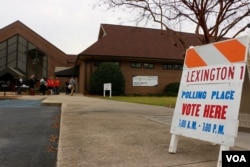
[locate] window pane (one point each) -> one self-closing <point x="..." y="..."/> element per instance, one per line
<point x="135" y="65"/>
<point x="138" y="65"/>
<point x="12" y="63"/>
<point x="3" y="45"/>
<point x="22" y="66"/>
<point x="151" y="66"/>
<point x="21" y="56"/>
<point x="145" y="65"/>
<point x="168" y="66"/>
<point x="30" y="46"/>
<point x="22" y="41"/>
<point x="12" y="57"/>
<point x="45" y="65"/>
<point x="148" y="65"/>
<point x="2" y="62"/>
<point x="12" y="40"/>
<point x="21" y="48"/>
<point x="12" y="48"/>
<point x="176" y="67"/>
<point x="2" y="53"/>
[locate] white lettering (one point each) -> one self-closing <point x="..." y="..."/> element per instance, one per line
<point x="236" y="158"/>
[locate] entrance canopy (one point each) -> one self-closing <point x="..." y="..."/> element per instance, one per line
<point x="12" y="71"/>
<point x="67" y="71"/>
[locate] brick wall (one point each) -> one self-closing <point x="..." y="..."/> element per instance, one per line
<point x="164" y="77"/>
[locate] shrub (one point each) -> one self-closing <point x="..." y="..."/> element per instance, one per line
<point x="107" y="72"/>
<point x="172" y="89"/>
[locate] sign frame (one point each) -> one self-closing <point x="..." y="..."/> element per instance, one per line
<point x="206" y="71"/>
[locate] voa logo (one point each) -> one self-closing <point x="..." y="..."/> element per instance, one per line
<point x="236" y="158"/>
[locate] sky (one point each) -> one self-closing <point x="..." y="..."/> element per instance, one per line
<point x="70" y="25"/>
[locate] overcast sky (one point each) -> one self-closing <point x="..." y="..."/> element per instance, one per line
<point x="70" y="25"/>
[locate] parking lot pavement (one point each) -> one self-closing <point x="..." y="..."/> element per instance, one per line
<point x="26" y="128"/>
<point x="98" y="132"/>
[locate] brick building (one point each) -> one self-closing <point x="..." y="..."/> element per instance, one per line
<point x="154" y="56"/>
<point x="23" y="53"/>
<point x="148" y="58"/>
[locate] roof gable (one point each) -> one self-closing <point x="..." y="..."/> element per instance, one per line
<point x="19" y="28"/>
<point x="126" y="41"/>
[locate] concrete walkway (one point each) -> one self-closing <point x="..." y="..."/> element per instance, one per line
<point x="98" y="132"/>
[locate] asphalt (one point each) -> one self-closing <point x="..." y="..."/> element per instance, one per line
<point x="98" y="132"/>
<point x="26" y="133"/>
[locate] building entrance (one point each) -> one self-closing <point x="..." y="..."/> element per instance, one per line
<point x="8" y="82"/>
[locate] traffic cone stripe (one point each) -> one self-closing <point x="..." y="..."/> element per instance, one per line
<point x="224" y="52"/>
<point x="193" y="59"/>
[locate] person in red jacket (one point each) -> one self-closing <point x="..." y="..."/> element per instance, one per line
<point x="57" y="85"/>
<point x="51" y="85"/>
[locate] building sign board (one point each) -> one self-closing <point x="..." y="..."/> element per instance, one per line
<point x="107" y="87"/>
<point x="145" y="80"/>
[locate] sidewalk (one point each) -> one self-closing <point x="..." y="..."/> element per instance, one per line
<point x="97" y="132"/>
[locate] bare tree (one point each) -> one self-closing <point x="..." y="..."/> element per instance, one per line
<point x="211" y="19"/>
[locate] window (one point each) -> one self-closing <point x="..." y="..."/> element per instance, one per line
<point x="168" y="66"/>
<point x="148" y="65"/>
<point x="177" y="67"/>
<point x="135" y="65"/>
<point x="172" y="66"/>
<point x="18" y="53"/>
<point x="97" y="63"/>
<point x="12" y="40"/>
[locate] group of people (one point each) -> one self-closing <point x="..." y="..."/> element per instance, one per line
<point x="51" y="85"/>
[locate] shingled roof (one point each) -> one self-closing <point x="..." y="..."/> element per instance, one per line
<point x="136" y="42"/>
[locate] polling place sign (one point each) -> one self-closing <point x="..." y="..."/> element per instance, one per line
<point x="210" y="92"/>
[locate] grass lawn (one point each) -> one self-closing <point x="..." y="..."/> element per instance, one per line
<point x="159" y="101"/>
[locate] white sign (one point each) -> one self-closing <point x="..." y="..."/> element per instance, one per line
<point x="208" y="103"/>
<point x="145" y="80"/>
<point x="210" y="92"/>
<point x="107" y="87"/>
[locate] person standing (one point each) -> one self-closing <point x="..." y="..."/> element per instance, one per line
<point x="43" y="86"/>
<point x="72" y="82"/>
<point x="67" y="90"/>
<point x="57" y="85"/>
<point x="19" y="84"/>
<point x="32" y="83"/>
<point x="51" y="85"/>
